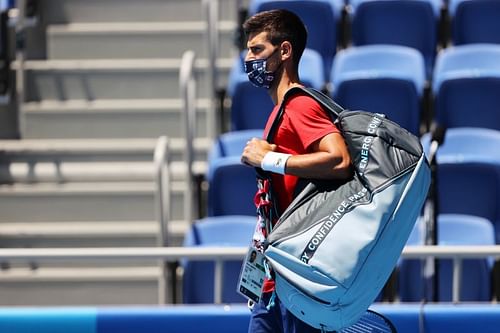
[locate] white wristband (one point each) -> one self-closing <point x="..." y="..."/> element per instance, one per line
<point x="274" y="162"/>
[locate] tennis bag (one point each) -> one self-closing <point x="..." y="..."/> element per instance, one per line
<point x="334" y="247"/>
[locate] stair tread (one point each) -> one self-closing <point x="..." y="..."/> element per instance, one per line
<point x="89" y="228"/>
<point x="21" y="274"/>
<point x="77" y="146"/>
<point x="112" y="105"/>
<point x="137" y="27"/>
<point x="152" y="64"/>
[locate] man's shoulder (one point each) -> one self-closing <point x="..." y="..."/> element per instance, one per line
<point x="302" y="99"/>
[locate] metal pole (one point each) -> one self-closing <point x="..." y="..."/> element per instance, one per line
<point x="218" y="280"/>
<point x="20" y="36"/>
<point x="188" y="95"/>
<point x="162" y="202"/>
<point x="457" y="279"/>
<point x="211" y="8"/>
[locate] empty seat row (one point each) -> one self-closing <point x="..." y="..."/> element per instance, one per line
<point x="419" y="24"/>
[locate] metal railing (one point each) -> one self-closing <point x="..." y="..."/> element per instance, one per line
<point x="211" y="10"/>
<point x="163" y="209"/>
<point x="221" y="254"/>
<point x="187" y="86"/>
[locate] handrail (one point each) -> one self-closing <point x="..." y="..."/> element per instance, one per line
<point x="220" y="254"/>
<point x="163" y="209"/>
<point x="187" y="86"/>
<point x="211" y="10"/>
<point x="162" y="177"/>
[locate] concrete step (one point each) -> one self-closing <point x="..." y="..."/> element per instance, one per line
<point x="125" y="40"/>
<point x="75" y="172"/>
<point x="96" y="150"/>
<point x="42" y="202"/>
<point x="79" y="286"/>
<point x="90" y="180"/>
<point x="114" y="79"/>
<point x="65" y="11"/>
<point x="79" y="234"/>
<point x="80" y="229"/>
<point x="88" y="234"/>
<point x="111" y="118"/>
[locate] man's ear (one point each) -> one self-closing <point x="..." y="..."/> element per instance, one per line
<point x="286" y="50"/>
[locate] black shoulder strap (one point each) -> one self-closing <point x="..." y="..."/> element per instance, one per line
<point x="326" y="102"/>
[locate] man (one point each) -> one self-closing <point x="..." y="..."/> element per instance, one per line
<point x="306" y="145"/>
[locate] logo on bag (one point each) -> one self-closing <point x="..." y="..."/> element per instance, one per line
<point x="329" y="223"/>
<point x="367" y="142"/>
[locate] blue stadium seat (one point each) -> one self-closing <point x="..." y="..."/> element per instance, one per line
<point x="476" y="273"/>
<point x="468" y="176"/>
<point x="475" y="21"/>
<point x="251" y="105"/>
<point x="232" y="143"/>
<point x="231" y="187"/>
<point x="470" y="188"/>
<point x="321" y="18"/>
<point x="387" y="79"/>
<point x="412" y="23"/>
<point x="466" y="84"/>
<point x="467" y="144"/>
<point x="198" y="277"/>
<point x="231" y="184"/>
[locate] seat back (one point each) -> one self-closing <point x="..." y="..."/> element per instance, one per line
<point x="231" y="143"/>
<point x="231" y="187"/>
<point x="466" y="84"/>
<point x="411" y="23"/>
<point x="467" y="144"/>
<point x="471" y="188"/>
<point x="198" y="277"/>
<point x="250" y="106"/>
<point x="368" y="77"/>
<point x="475" y="21"/>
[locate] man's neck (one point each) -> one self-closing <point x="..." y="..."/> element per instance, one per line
<point x="279" y="90"/>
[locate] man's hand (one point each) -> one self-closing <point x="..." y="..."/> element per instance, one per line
<point x="255" y="150"/>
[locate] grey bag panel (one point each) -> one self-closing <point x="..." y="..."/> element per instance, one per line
<point x="387" y="130"/>
<point x="379" y="149"/>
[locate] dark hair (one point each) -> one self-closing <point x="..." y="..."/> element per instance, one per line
<point x="281" y="25"/>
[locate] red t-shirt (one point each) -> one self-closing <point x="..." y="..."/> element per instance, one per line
<point x="303" y="123"/>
